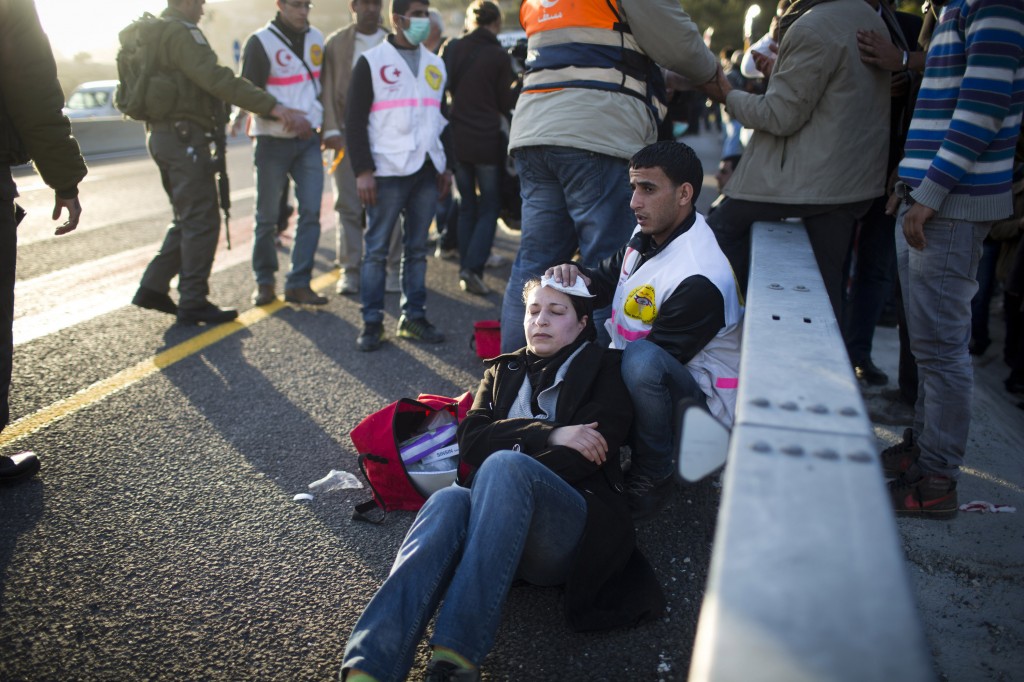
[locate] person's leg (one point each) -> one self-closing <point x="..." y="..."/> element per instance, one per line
<point x="308" y="175"/>
<point x="392" y="194"/>
<point x="384" y="639"/>
<point x="465" y="180"/>
<point x="980" y="339"/>
<point x="272" y="158"/>
<point x="194" y="199"/>
<point x="524" y="520"/>
<point x="488" y="179"/>
<point x="349" y="215"/>
<point x="830" y="233"/>
<point x="938" y="289"/>
<point x="656" y="382"/>
<point x="166" y="264"/>
<point x="597" y="196"/>
<point x="548" y="177"/>
<point x="420" y="209"/>
<point x="872" y="281"/>
<point x="8" y="260"/>
<point x="731" y="224"/>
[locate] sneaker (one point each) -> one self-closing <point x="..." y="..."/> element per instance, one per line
<point x="495" y="260"/>
<point x="370" y="338"/>
<point x="348" y="283"/>
<point x="867" y="372"/>
<point x="419" y="330"/>
<point x="207" y="313"/>
<point x="393" y="283"/>
<point x="928" y="496"/>
<point x="445" y="671"/>
<point x="304" y="296"/>
<point x="446" y="254"/>
<point x="647" y="496"/>
<point x="897" y="459"/>
<point x="472" y="283"/>
<point x="264" y="294"/>
<point x="16" y="468"/>
<point x="154" y="300"/>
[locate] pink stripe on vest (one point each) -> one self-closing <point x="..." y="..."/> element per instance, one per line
<point x="727" y="382"/>
<point x="393" y="104"/>
<point x="630" y="335"/>
<point x="292" y="80"/>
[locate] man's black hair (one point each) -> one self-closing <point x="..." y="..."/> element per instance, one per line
<point x="678" y="161"/>
<point x="402" y="6"/>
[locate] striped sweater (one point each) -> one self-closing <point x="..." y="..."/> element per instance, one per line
<point x="959" y="150"/>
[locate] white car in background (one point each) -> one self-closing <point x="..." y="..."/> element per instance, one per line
<point x="91" y="100"/>
<point x="97" y="124"/>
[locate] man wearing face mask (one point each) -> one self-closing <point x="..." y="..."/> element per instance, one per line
<point x="395" y="126"/>
<point x="284" y="58"/>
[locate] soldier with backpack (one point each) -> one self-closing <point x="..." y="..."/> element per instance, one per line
<point x="170" y="78"/>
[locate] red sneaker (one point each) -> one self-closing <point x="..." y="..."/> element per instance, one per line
<point x="929" y="496"/>
<point x="896" y="459"/>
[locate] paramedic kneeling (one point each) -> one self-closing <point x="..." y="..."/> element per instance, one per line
<point x="676" y="313"/>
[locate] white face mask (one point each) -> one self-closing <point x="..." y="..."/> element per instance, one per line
<point x="419" y="29"/>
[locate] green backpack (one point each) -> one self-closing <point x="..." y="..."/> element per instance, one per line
<point x="144" y="93"/>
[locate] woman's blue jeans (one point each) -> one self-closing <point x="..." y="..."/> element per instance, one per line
<point x="478" y="216"/>
<point x="466" y="546"/>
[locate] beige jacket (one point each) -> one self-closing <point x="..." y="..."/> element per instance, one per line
<point x="335" y="75"/>
<point x="822" y="128"/>
<point x="612" y="123"/>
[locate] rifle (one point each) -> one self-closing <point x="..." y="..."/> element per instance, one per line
<point x="220" y="164"/>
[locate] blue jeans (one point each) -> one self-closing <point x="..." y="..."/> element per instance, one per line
<point x="415" y="198"/>
<point x="466" y="546"/>
<point x="277" y="158"/>
<point x="656" y="382"/>
<point x="938" y="284"/>
<point x="478" y="217"/>
<point x="571" y="199"/>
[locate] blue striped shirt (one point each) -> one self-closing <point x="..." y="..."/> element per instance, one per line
<point x="959" y="150"/>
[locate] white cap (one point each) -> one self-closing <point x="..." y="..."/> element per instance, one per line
<point x="577" y="289"/>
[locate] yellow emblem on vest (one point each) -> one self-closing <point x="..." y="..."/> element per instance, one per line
<point x="316" y="54"/>
<point x="433" y="76"/>
<point x="640" y="304"/>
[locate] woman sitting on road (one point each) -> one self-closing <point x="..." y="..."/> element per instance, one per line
<point x="546" y="505"/>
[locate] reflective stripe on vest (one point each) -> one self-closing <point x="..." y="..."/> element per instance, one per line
<point x="577" y="44"/>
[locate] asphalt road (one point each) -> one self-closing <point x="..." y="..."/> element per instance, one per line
<point x="161" y="539"/>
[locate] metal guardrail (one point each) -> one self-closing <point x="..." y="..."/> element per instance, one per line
<point x="807" y="579"/>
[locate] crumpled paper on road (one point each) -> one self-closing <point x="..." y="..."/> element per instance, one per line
<point x="986" y="507"/>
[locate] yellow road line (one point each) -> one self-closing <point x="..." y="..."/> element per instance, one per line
<point x="106" y="387"/>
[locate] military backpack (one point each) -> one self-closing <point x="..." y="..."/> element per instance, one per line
<point x="144" y="92"/>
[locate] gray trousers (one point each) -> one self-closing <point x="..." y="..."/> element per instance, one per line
<point x="189" y="245"/>
<point x="938" y="283"/>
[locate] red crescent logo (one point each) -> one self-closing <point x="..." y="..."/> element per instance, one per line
<point x="283" y="57"/>
<point x="395" y="73"/>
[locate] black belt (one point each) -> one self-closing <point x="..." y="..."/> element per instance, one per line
<point x="903" y="191"/>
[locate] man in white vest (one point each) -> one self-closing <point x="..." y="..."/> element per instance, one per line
<point x="395" y="126"/>
<point x="284" y="58"/>
<point x="676" y="313"/>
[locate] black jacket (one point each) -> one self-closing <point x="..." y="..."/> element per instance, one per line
<point x="610" y="582"/>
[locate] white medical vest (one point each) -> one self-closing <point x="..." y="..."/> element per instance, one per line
<point x="294" y="82"/>
<point x="405" y="117"/>
<point x="642" y="290"/>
